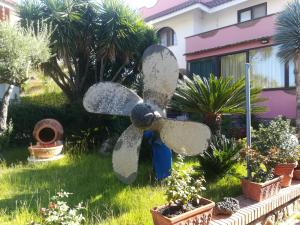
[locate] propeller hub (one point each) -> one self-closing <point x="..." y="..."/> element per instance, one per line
<point x="142" y="116"/>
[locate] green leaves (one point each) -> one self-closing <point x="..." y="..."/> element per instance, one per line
<point x="91" y="42"/>
<point x="214" y="96"/>
<point x="20" y="50"/>
<point x="260" y="169"/>
<point x="278" y="134"/>
<point x="221" y="156"/>
<point x="60" y="213"/>
<point x="182" y="187"/>
<point x="288" y="31"/>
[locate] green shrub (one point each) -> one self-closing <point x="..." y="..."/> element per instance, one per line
<point x="277" y="134"/>
<point x="220" y="157"/>
<point x="76" y="121"/>
<point x="52" y="99"/>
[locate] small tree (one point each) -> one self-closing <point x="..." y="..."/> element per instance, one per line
<point x="213" y="97"/>
<point x="288" y="38"/>
<point x="20" y="50"/>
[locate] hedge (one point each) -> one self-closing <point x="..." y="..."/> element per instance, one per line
<point x="75" y="120"/>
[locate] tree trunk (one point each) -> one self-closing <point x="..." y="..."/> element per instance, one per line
<point x="4" y="108"/>
<point x="214" y="120"/>
<point x="297" y="81"/>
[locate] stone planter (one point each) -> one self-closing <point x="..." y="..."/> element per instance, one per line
<point x="260" y="191"/>
<point x="199" y="216"/>
<point x="296" y="174"/>
<point x="42" y="152"/>
<point x="286" y="170"/>
<point x="48" y="131"/>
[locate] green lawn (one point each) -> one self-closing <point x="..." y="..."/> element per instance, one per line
<point x="24" y="189"/>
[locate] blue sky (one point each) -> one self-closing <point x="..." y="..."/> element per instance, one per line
<point x="140" y="3"/>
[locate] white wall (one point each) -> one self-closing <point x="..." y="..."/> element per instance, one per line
<point x="197" y="21"/>
<point x="183" y="26"/>
<point x="14" y="17"/>
<point x="228" y="16"/>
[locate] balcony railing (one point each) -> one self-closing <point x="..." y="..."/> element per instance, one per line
<point x="232" y="35"/>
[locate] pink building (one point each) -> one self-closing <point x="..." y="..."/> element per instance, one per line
<point x="7" y="9"/>
<point x="220" y="36"/>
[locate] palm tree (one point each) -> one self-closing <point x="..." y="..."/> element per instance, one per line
<point x="92" y="42"/>
<point x="288" y="38"/>
<point x="213" y="97"/>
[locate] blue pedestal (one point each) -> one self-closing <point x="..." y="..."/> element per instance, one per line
<point x="162" y="156"/>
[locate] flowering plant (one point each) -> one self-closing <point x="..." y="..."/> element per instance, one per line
<point x="260" y="166"/>
<point x="59" y="213"/>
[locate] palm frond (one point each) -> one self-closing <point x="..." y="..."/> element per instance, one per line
<point x="214" y="95"/>
<point x="288" y="31"/>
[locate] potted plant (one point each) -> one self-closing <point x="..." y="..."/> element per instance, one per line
<point x="261" y="182"/>
<point x="285" y="163"/>
<point x="279" y="137"/>
<point x="184" y="197"/>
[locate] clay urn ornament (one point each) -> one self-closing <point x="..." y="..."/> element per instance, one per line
<point x="48" y="131"/>
<point x="160" y="75"/>
<point x="49" y="134"/>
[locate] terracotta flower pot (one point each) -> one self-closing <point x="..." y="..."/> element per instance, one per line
<point x="48" y="131"/>
<point x="296" y="174"/>
<point x="260" y="191"/>
<point x="286" y="170"/>
<point x="42" y="152"/>
<point x="199" y="216"/>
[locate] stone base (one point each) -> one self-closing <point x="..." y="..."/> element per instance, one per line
<point x="32" y="159"/>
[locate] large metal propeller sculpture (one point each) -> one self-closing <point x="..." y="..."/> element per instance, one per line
<point x="160" y="72"/>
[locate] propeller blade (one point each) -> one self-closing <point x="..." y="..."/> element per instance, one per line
<point x="126" y="154"/>
<point x="184" y="137"/>
<point x="110" y="98"/>
<point x="160" y="70"/>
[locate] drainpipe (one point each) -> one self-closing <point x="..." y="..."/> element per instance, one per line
<point x="248" y="114"/>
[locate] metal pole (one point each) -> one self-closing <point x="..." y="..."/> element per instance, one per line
<point x="248" y="113"/>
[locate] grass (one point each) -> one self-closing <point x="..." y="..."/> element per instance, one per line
<point x="26" y="188"/>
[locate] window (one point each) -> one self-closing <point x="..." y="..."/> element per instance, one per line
<point x="205" y="67"/>
<point x="233" y="65"/>
<point x="245" y="16"/>
<point x="166" y="36"/>
<point x="291" y="76"/>
<point x="253" y="12"/>
<point x="267" y="71"/>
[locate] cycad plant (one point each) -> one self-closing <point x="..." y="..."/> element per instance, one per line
<point x="220" y="157"/>
<point x="213" y="97"/>
<point x="288" y="38"/>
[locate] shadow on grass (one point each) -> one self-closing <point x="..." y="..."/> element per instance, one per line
<point x="14" y="155"/>
<point x="89" y="177"/>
